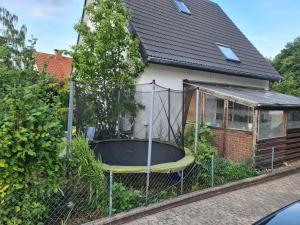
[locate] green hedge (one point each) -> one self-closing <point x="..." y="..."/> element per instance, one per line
<point x="30" y="131"/>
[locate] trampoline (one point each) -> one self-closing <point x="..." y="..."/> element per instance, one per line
<point x="130" y="156"/>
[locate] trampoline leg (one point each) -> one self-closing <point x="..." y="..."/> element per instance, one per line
<point x="110" y="192"/>
<point x="181" y="187"/>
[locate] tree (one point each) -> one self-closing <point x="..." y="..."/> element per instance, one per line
<point x="108" y="59"/>
<point x="107" y="52"/>
<point x="288" y="64"/>
<point x="13" y="49"/>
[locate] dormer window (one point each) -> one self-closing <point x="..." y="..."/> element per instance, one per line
<point x="182" y="7"/>
<point x="228" y="53"/>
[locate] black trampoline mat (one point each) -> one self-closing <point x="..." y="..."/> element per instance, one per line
<point x="135" y="153"/>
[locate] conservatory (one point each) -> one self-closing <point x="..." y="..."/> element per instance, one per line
<point x="249" y="123"/>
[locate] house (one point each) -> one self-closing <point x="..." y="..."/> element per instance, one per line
<point x="57" y="65"/>
<point x="194" y="44"/>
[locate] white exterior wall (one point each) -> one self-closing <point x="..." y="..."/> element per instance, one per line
<point x="172" y="77"/>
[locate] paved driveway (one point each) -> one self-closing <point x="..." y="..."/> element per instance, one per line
<point x="239" y="207"/>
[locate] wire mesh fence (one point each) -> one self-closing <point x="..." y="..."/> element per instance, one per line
<point x="73" y="204"/>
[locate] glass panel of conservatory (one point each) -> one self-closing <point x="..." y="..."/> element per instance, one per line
<point x="294" y="119"/>
<point x="271" y="124"/>
<point x="214" y="111"/>
<point x="240" y="117"/>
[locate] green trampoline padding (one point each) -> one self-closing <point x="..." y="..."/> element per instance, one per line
<point x="169" y="167"/>
<point x="131" y="156"/>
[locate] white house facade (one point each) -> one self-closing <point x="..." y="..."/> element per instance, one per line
<point x="173" y="77"/>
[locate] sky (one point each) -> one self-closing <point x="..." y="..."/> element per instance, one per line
<point x="268" y="24"/>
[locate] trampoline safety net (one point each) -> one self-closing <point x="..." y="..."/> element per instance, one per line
<point x="105" y="112"/>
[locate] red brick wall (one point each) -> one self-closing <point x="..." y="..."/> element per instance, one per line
<point x="238" y="144"/>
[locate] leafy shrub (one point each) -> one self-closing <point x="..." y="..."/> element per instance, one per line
<point x="30" y="166"/>
<point x="88" y="171"/>
<point x="124" y="200"/>
<point x="228" y="171"/>
<point x="204" y="150"/>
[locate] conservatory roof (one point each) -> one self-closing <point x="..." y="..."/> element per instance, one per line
<point x="255" y="97"/>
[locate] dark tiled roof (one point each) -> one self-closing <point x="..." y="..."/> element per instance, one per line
<point x="173" y="38"/>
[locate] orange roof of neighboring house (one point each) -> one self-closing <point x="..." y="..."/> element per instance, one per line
<point x="60" y="67"/>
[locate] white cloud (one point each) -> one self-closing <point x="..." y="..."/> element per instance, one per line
<point x="42" y="12"/>
<point x="46" y="8"/>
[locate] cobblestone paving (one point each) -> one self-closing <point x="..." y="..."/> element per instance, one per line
<point x="243" y="206"/>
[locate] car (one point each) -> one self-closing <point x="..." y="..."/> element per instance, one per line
<point x="289" y="215"/>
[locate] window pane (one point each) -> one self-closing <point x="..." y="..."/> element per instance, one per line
<point x="240" y="117"/>
<point x="228" y="53"/>
<point x="271" y="124"/>
<point x="214" y="111"/>
<point x="182" y="7"/>
<point x="294" y="119"/>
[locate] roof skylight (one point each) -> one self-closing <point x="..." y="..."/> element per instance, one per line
<point x="182" y="7"/>
<point x="228" y="53"/>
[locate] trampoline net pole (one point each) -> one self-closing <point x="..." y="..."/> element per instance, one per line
<point x="150" y="140"/>
<point x="197" y="120"/>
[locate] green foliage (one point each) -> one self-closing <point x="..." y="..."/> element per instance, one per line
<point x="228" y="171"/>
<point x="63" y="92"/>
<point x="124" y="200"/>
<point x="13" y="51"/>
<point x="204" y="150"/>
<point x="108" y="53"/>
<point x="30" y="130"/>
<point x="29" y="158"/>
<point x="88" y="171"/>
<point x="288" y="64"/>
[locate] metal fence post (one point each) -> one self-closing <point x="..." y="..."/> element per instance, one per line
<point x="110" y="193"/>
<point x="197" y="119"/>
<point x="150" y="141"/>
<point x="71" y="109"/>
<point x="181" y="183"/>
<point x="119" y="113"/>
<point x="273" y="158"/>
<point x="212" y="171"/>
